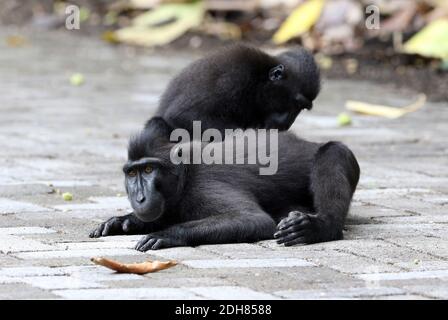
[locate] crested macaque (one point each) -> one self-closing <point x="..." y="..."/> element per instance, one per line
<point x="242" y="87"/>
<point x="306" y="201"/>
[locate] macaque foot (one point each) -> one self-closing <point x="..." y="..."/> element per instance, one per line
<point x="158" y="240"/>
<point x="303" y="228"/>
<point x="118" y="226"/>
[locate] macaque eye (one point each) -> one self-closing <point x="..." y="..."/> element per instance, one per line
<point x="276" y="73"/>
<point x="148" y="169"/>
<point x="132" y="173"/>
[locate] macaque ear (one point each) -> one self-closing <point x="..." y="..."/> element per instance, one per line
<point x="276" y="73"/>
<point x="157" y="127"/>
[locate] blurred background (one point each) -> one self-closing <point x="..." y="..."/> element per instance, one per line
<point x="400" y="42"/>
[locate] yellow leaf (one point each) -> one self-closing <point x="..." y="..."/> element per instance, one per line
<point x="385" y="111"/>
<point x="431" y="41"/>
<point x="300" y="21"/>
<point x="162" y="25"/>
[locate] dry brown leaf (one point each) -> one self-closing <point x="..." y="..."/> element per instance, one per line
<point x="16" y="41"/>
<point x="400" y="20"/>
<point x="137" y="268"/>
<point x="385" y="111"/>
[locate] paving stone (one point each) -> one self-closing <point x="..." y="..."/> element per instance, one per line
<point x="12" y="244"/>
<point x="96" y="245"/>
<point x="388" y="193"/>
<point x="7" y="260"/>
<point x="10" y="220"/>
<point x="366" y="211"/>
<point x="245" y="250"/>
<point x="7" y="280"/>
<point x="60" y="282"/>
<point x="23" y="291"/>
<point x="81" y="261"/>
<point x="96" y="273"/>
<point x="439" y="292"/>
<point x="161" y="282"/>
<point x="76" y="253"/>
<point x="404" y="275"/>
<point x="11" y="206"/>
<point x="185" y="253"/>
<point x="226" y="293"/>
<point x="381" y="231"/>
<point x="304" y="278"/>
<point x="396" y="228"/>
<point x="127" y="294"/>
<point x="96" y="216"/>
<point x="25" y="230"/>
<point x="30" y="271"/>
<point x="415" y="219"/>
<point x="380" y="251"/>
<point x="319" y="275"/>
<point x="247" y="263"/>
<point x="400" y="297"/>
<point x="419" y="265"/>
<point x="435" y="246"/>
<point x="120" y="238"/>
<point x="348" y="263"/>
<point x="66" y="183"/>
<point x="98" y="203"/>
<point x="347" y="293"/>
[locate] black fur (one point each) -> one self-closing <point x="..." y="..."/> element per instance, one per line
<point x="242" y="87"/>
<point x="306" y="201"/>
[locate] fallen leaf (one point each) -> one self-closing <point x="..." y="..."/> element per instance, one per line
<point x="110" y="37"/>
<point x="437" y="13"/>
<point x="431" y="41"/>
<point x="385" y="111"/>
<point x="325" y="62"/>
<point x="16" y="41"/>
<point x="400" y="20"/>
<point x="222" y="30"/>
<point x="339" y="12"/>
<point x="351" y="66"/>
<point x="163" y="24"/>
<point x="137" y="268"/>
<point x="300" y="21"/>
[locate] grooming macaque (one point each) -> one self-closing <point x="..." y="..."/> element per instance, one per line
<point x="306" y="201"/>
<point x="242" y="87"/>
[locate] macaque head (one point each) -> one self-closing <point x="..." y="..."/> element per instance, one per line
<point x="152" y="182"/>
<point x="291" y="86"/>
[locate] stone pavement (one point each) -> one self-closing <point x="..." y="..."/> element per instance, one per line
<point x="55" y="137"/>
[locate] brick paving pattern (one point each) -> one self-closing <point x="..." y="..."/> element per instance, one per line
<point x="55" y="137"/>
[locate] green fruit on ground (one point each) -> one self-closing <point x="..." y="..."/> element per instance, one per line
<point x="77" y="79"/>
<point x="344" y="119"/>
<point x="67" y="196"/>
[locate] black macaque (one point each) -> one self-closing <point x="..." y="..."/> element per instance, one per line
<point x="306" y="201"/>
<point x="242" y="87"/>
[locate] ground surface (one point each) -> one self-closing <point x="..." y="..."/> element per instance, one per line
<point x="54" y="136"/>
